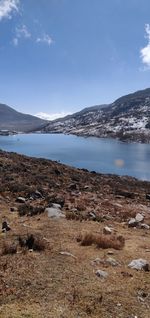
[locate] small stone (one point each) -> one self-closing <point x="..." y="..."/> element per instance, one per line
<point x="67" y="254"/>
<point x="101" y="274"/>
<point x="107" y="230"/>
<point x="21" y="200"/>
<point x="97" y="261"/>
<point x="148" y="196"/>
<point x="140" y="264"/>
<point x="92" y="216"/>
<point x="5" y="226"/>
<point x="110" y="253"/>
<point x="38" y="194"/>
<point x="139" y="217"/>
<point x="145" y="226"/>
<point x="112" y="261"/>
<point x="132" y="222"/>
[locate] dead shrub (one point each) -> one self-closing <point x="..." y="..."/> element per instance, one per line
<point x="88" y="239"/>
<point x="32" y="242"/>
<point x="27" y="209"/>
<point x="73" y="216"/>
<point x="9" y="248"/>
<point x="116" y="242"/>
<point x="101" y="241"/>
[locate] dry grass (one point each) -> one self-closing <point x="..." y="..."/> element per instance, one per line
<point x="102" y="241"/>
<point x="9" y="248"/>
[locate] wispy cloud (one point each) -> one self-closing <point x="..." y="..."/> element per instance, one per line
<point x="51" y="116"/>
<point x="145" y="51"/>
<point x="21" y="32"/>
<point x="45" y="39"/>
<point x="8" y="7"/>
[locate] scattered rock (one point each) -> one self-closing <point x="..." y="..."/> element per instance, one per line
<point x="139" y="217"/>
<point x="5" y="226"/>
<point x="21" y="200"/>
<point x="97" y="261"/>
<point x="147" y="196"/>
<point x="101" y="274"/>
<point x="145" y="226"/>
<point x="140" y="264"/>
<point x="54" y="213"/>
<point x="67" y="254"/>
<point x="92" y="216"/>
<point x="132" y="222"/>
<point x="110" y="253"/>
<point x="107" y="230"/>
<point x="112" y="261"/>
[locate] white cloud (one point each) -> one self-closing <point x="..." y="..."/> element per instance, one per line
<point x="51" y="116"/>
<point x="7" y="7"/>
<point x="145" y="51"/>
<point x="15" y="41"/>
<point x="23" y="32"/>
<point x="45" y="39"/>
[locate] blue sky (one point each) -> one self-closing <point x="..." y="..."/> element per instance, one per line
<point x="59" y="56"/>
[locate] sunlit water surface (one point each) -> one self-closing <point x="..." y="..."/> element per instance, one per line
<point x="101" y="155"/>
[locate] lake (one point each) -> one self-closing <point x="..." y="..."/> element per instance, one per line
<point x="101" y="155"/>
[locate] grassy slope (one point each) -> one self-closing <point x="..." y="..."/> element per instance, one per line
<point x="48" y="284"/>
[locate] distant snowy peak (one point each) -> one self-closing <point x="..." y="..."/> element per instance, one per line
<point x="52" y="116"/>
<point x="128" y="118"/>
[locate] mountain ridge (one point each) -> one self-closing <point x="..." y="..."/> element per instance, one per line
<point x="127" y="118"/>
<point x="12" y="120"/>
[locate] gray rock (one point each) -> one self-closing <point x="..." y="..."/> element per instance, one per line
<point x="140" y="264"/>
<point x="107" y="230"/>
<point x="101" y="274"/>
<point x="139" y="217"/>
<point x="112" y="261"/>
<point x="56" y="206"/>
<point x="97" y="261"/>
<point x="132" y="222"/>
<point x="54" y="213"/>
<point x="145" y="226"/>
<point x="92" y="216"/>
<point x="38" y="194"/>
<point x="21" y="200"/>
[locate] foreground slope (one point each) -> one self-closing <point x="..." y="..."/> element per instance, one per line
<point x="12" y="120"/>
<point x="128" y="118"/>
<point x="49" y="282"/>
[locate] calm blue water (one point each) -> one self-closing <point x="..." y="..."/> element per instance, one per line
<point x="90" y="153"/>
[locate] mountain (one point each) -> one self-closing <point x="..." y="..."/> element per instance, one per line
<point x="12" y="120"/>
<point x="128" y="118"/>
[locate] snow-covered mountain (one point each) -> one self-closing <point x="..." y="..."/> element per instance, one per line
<point x="128" y="118"/>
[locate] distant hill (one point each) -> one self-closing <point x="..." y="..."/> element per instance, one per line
<point x="12" y="120"/>
<point x="128" y="118"/>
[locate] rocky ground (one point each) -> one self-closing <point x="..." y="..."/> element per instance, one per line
<point x="72" y="235"/>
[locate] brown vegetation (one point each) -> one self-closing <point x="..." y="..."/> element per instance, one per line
<point x="102" y="241"/>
